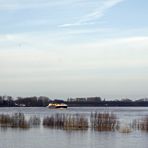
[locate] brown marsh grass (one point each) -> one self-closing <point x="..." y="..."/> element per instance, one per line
<point x="141" y="124"/>
<point x="103" y="121"/>
<point x="76" y="122"/>
<point x="66" y="121"/>
<point x="34" y="121"/>
<point x="16" y="120"/>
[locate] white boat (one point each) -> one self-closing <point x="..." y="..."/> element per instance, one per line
<point x="57" y="105"/>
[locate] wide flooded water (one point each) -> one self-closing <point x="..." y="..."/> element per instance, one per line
<point x="42" y="137"/>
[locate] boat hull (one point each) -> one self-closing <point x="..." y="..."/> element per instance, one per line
<point x="57" y="106"/>
<point x="61" y="106"/>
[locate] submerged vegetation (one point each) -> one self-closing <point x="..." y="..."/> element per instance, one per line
<point x="34" y="121"/>
<point x="101" y="122"/>
<point x="76" y="121"/>
<point x="68" y="121"/>
<point x="15" y="121"/>
<point x="144" y="124"/>
<point x="18" y="120"/>
<point x="141" y="124"/>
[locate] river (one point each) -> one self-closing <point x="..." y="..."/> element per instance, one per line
<point x="41" y="137"/>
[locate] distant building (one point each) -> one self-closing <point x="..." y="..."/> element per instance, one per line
<point x="81" y="99"/>
<point x="89" y="99"/>
<point x="94" y="99"/>
<point x="71" y="99"/>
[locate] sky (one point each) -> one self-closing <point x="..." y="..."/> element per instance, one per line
<point x="74" y="48"/>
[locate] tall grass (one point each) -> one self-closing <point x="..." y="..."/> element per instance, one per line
<point x="66" y="121"/>
<point x="16" y="120"/>
<point x="103" y="121"/>
<point x="54" y="121"/>
<point x="98" y="122"/>
<point x="5" y="120"/>
<point x="34" y="121"/>
<point x="141" y="124"/>
<point x="76" y="121"/>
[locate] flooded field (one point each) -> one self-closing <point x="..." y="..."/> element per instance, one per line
<point x="74" y="127"/>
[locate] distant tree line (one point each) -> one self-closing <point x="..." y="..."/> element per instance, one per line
<point x="8" y="101"/>
<point x="97" y="101"/>
<point x="42" y="101"/>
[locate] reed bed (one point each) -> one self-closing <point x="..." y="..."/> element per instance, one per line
<point x="54" y="121"/>
<point x="34" y="121"/>
<point x="16" y="120"/>
<point x="98" y="122"/>
<point x="66" y="121"/>
<point x="103" y="121"/>
<point x="141" y="124"/>
<point x="5" y="119"/>
<point x="76" y="122"/>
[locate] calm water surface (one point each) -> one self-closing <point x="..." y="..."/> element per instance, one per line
<point x="41" y="137"/>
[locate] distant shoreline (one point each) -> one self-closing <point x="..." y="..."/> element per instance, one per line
<point x="8" y="101"/>
<point x="108" y="104"/>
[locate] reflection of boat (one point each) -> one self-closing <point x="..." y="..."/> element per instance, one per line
<point x="57" y="105"/>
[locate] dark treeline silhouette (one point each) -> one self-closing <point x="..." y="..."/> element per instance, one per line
<point x="108" y="103"/>
<point x="8" y="101"/>
<point x="42" y="101"/>
<point x="32" y="101"/>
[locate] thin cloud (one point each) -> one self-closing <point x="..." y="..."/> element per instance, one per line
<point x="76" y="24"/>
<point x="94" y="15"/>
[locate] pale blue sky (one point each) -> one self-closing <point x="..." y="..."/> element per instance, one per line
<point x="70" y="48"/>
